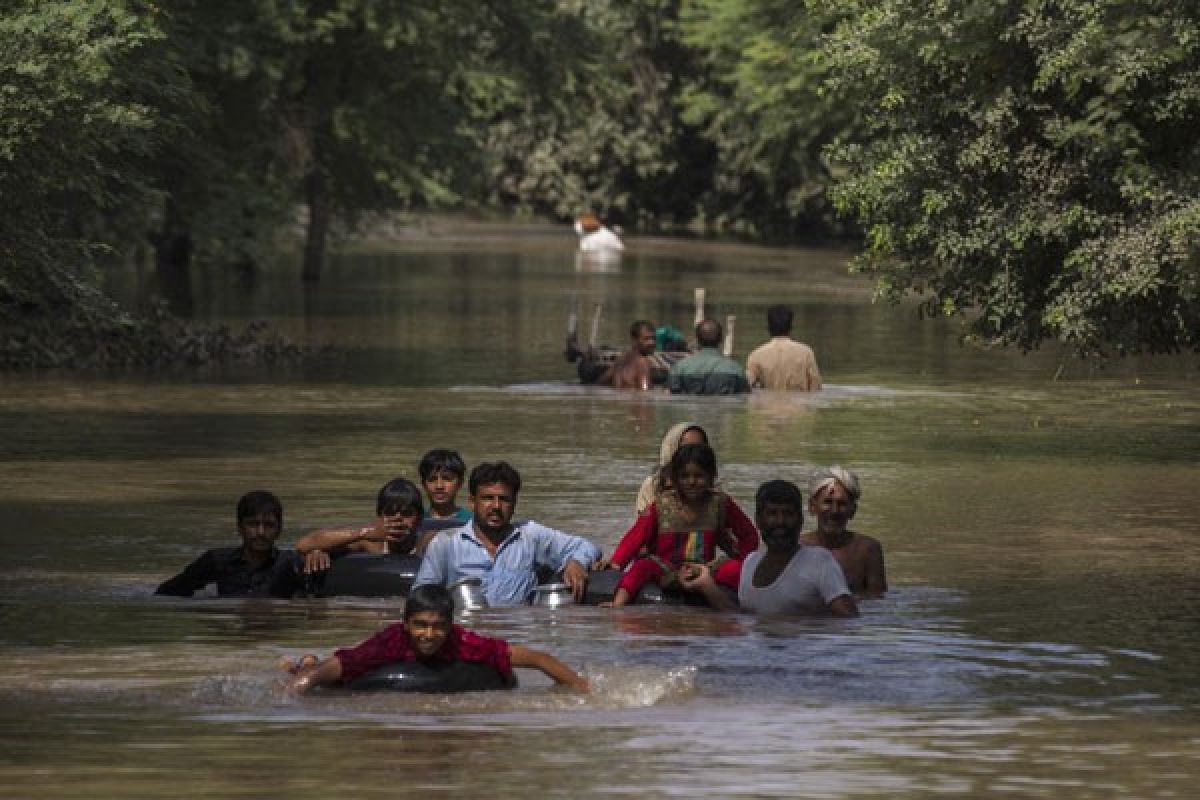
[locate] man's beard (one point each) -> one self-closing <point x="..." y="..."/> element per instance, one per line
<point x="778" y="538"/>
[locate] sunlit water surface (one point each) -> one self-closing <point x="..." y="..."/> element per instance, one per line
<point x="1041" y="537"/>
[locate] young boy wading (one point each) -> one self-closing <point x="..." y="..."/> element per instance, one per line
<point x="428" y="634"/>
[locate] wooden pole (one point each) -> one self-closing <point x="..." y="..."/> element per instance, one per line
<point x="699" y="298"/>
<point x="596" y="325"/>
<point x="730" y="320"/>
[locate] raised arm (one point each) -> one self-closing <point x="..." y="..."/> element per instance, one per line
<point x="349" y="539"/>
<point x="548" y="664"/>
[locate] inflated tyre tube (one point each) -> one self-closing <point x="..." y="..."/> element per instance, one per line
<point x="413" y="676"/>
<point x="602" y="585"/>
<point x="367" y="575"/>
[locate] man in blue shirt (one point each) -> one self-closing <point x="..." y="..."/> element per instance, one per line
<point x="503" y="555"/>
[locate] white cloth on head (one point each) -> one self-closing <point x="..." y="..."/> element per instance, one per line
<point x="670" y="443"/>
<point x="807" y="585"/>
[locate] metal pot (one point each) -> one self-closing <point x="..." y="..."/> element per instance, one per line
<point x="468" y="595"/>
<point x="553" y="595"/>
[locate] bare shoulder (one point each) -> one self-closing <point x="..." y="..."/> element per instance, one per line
<point x="871" y="541"/>
<point x="866" y="544"/>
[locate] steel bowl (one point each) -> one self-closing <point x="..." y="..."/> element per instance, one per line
<point x="468" y="595"/>
<point x="553" y="595"/>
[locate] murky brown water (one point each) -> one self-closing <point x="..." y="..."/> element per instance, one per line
<point x="1042" y="541"/>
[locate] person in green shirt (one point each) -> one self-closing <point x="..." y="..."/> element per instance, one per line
<point x="707" y="371"/>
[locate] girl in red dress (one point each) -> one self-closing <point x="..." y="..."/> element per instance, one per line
<point x="687" y="524"/>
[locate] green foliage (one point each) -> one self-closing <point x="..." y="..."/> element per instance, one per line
<point x="1033" y="166"/>
<point x="90" y="97"/>
<point x="763" y="103"/>
<point x="79" y="92"/>
<point x="603" y="131"/>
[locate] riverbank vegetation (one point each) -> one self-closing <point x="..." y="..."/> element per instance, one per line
<point x="1031" y="166"/>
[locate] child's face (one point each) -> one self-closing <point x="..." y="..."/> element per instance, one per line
<point x="259" y="531"/>
<point x="427" y="630"/>
<point x="400" y="524"/>
<point x="442" y="487"/>
<point x="695" y="482"/>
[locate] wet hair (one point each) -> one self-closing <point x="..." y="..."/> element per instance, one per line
<point x="709" y="332"/>
<point x="835" y="474"/>
<point x="779" y="320"/>
<point x="429" y="597"/>
<point x="781" y="493"/>
<point x="441" y="460"/>
<point x="500" y="472"/>
<point x="639" y="326"/>
<point x="691" y="428"/>
<point x="700" y="454"/>
<point x="399" y="494"/>
<point x="258" y="502"/>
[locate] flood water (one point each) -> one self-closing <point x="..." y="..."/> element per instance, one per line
<point x="1042" y="541"/>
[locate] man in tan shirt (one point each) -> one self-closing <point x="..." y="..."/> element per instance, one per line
<point x="783" y="363"/>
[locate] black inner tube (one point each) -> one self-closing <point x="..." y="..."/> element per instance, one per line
<point x="415" y="676"/>
<point x="367" y="575"/>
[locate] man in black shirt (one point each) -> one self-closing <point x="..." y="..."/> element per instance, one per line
<point x="256" y="569"/>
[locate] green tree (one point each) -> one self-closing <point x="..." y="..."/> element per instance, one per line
<point x="80" y="85"/>
<point x="347" y="106"/>
<point x="92" y="100"/>
<point x="763" y="102"/>
<point x="604" y="130"/>
<point x="1032" y="165"/>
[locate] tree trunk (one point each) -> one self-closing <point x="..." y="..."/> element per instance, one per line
<point x="318" y="221"/>
<point x="172" y="259"/>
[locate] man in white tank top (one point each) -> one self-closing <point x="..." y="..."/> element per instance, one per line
<point x="785" y="577"/>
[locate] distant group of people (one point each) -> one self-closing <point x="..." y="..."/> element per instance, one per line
<point x="780" y="364"/>
<point x="689" y="534"/>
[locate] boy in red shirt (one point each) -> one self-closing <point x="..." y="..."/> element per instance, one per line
<point x="428" y="634"/>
